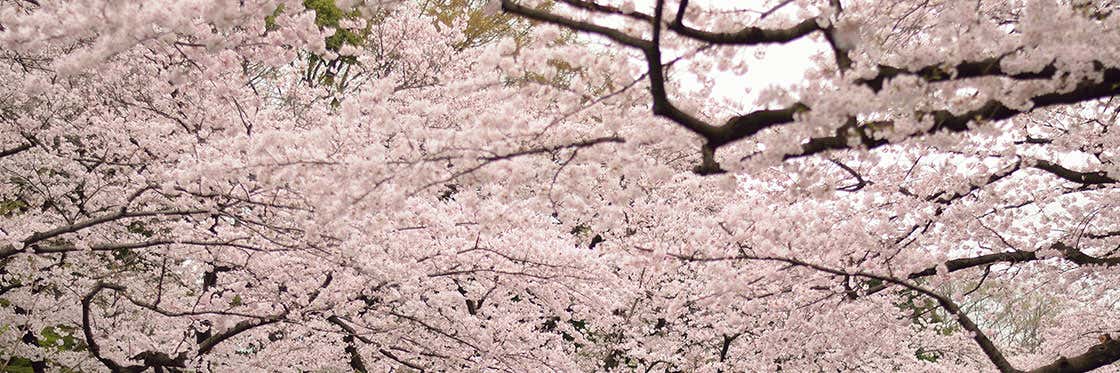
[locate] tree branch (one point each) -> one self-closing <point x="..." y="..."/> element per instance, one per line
<point x="15" y="150"/>
<point x="1086" y="178"/>
<point x="945" y="121"/>
<point x="356" y="360"/>
<point x="9" y="250"/>
<point x="1099" y="355"/>
<point x="122" y="214"/>
<point x="750" y="124"/>
<point x="963" y="70"/>
<point x="208" y="344"/>
<point x="542" y="16"/>
<point x="87" y="330"/>
<point x="662" y="106"/>
<point x="748" y="35"/>
<point x="986" y="345"/>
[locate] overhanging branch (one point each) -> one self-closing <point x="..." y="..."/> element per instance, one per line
<point x="849" y="136"/>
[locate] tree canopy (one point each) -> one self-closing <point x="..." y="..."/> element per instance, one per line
<point x="562" y="185"/>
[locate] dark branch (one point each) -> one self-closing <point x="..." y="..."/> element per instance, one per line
<point x="948" y="198"/>
<point x="15" y="150"/>
<point x="743" y="126"/>
<point x="1069" y="253"/>
<point x="661" y="104"/>
<point x="1087" y="178"/>
<point x="8" y="250"/>
<point x="945" y="121"/>
<point x="356" y="360"/>
<point x="986" y="345"/>
<point x="1104" y="353"/>
<point x="543" y="16"/>
<point x="554" y="148"/>
<point x="122" y="214"/>
<point x="748" y="35"/>
<point x="352" y="333"/>
<point x="963" y="70"/>
<point x="860" y="182"/>
<point x="87" y="330"/>
<point x="863" y="134"/>
<point x="208" y="344"/>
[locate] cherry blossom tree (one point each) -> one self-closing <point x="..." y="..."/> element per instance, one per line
<point x="944" y="118"/>
<point x="566" y="185"/>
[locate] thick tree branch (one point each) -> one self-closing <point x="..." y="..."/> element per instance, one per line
<point x="87" y="330"/>
<point x="743" y="126"/>
<point x="963" y="70"/>
<point x="750" y="35"/>
<point x="1086" y="178"/>
<point x="159" y="359"/>
<point x="351" y="332"/>
<point x="543" y="16"/>
<point x="9" y="250"/>
<point x="1069" y="253"/>
<point x="356" y="360"/>
<point x="945" y="121"/>
<point x="848" y="136"/>
<point x="122" y="214"/>
<point x="1104" y="353"/>
<point x="978" y="261"/>
<point x="736" y="128"/>
<point x="208" y="344"/>
<point x="15" y="150"/>
<point x="1100" y="355"/>
<point x="661" y="104"/>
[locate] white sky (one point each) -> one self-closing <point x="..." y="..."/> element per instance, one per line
<point x="780" y="64"/>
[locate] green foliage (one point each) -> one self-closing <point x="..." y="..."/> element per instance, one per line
<point x="138" y="227"/>
<point x="327" y="14"/>
<point x="480" y="27"/>
<point x="927" y="355"/>
<point x="60" y="338"/>
<point x="1016" y="317"/>
<point x="270" y="21"/>
<point x="925" y="313"/>
<point x="51" y="338"/>
<point x="331" y="72"/>
<point x="18" y="365"/>
<point x="9" y="207"/>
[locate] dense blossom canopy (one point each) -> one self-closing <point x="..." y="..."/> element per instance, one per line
<point x="568" y="185"/>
